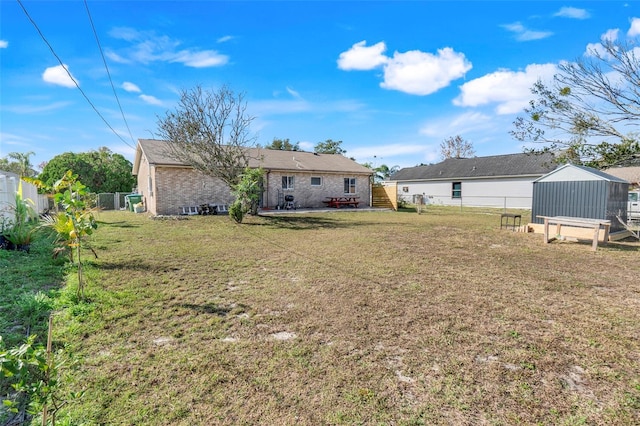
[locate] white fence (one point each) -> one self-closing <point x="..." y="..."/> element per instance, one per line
<point x="9" y="185"/>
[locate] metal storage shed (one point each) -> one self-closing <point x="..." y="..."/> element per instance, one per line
<point x="579" y="191"/>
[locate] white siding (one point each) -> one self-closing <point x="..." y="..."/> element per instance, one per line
<point x="499" y="193"/>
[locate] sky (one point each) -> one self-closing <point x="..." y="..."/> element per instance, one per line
<point x="390" y="79"/>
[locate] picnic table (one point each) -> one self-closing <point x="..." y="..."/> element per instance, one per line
<point x="579" y="222"/>
<point x="338" y="202"/>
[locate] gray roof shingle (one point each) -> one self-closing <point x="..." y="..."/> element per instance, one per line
<point x="523" y="164"/>
<point x="155" y="151"/>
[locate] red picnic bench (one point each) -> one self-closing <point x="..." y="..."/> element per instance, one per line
<point x="338" y="202"/>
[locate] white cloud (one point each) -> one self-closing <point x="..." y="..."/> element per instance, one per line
<point x="462" y="124"/>
<point x="224" y="39"/>
<point x="36" y="109"/>
<point x="634" y="29"/>
<point x="130" y="87"/>
<point x="413" y="72"/>
<point x="148" y="47"/>
<point x="198" y="59"/>
<point x="361" y="57"/>
<point x="421" y="73"/>
<point x="597" y="49"/>
<point x="610" y="35"/>
<point x="384" y="151"/>
<point x="58" y="75"/>
<point x="510" y="90"/>
<point x="293" y="93"/>
<point x="524" y="34"/>
<point x="4" y="44"/>
<point x="573" y="13"/>
<point x="151" y="100"/>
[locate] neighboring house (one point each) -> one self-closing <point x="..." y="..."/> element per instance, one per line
<point x="503" y="181"/>
<point x="630" y="174"/>
<point x="168" y="185"/>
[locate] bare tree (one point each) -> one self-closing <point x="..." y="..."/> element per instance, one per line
<point x="584" y="111"/>
<point x="456" y="147"/>
<point x="210" y="130"/>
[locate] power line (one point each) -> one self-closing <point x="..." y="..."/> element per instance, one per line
<point x="104" y="61"/>
<point x="69" y="74"/>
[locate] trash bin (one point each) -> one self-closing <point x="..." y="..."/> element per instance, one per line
<point x="131" y="200"/>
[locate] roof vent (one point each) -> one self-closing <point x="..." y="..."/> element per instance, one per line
<point x="474" y="167"/>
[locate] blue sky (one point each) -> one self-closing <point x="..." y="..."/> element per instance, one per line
<point x="392" y="80"/>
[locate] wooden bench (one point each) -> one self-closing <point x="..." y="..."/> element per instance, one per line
<point x="578" y="222"/>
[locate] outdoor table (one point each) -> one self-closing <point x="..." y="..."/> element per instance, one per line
<point x="338" y="202"/>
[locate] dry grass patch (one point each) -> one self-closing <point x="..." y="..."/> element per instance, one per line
<point x="355" y="318"/>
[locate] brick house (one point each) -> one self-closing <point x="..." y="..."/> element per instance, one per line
<point x="168" y="185"/>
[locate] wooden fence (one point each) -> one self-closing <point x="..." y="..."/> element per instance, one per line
<point x="385" y="195"/>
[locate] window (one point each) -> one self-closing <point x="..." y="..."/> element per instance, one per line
<point x="316" y="181"/>
<point x="456" y="190"/>
<point x="287" y="182"/>
<point x="633" y="197"/>
<point x="349" y="185"/>
<point x="405" y="189"/>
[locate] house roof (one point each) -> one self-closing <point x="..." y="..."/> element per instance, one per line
<point x="572" y="172"/>
<point x="523" y="164"/>
<point x="155" y="152"/>
<point x="630" y="174"/>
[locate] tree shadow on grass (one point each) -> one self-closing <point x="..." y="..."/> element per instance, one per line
<point x="208" y="308"/>
<point x="121" y="224"/>
<point x="301" y="222"/>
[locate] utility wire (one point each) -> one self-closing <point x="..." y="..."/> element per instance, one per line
<point x="104" y="61"/>
<point x="69" y="74"/>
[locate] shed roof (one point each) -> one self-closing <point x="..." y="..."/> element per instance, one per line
<point x="575" y="173"/>
<point x="155" y="152"/>
<point x="522" y="164"/>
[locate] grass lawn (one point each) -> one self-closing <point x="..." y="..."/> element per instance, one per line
<point x="345" y="318"/>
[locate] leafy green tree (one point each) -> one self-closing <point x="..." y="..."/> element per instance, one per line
<point x="102" y="170"/>
<point x="209" y="130"/>
<point x="21" y="165"/>
<point x="283" y="145"/>
<point x="582" y="113"/>
<point x="329" y="147"/>
<point x="456" y="147"/>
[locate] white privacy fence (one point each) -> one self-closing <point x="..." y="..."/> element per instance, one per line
<point x="9" y="186"/>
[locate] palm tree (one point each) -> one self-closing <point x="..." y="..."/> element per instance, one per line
<point x="25" y="166"/>
<point x="384" y="172"/>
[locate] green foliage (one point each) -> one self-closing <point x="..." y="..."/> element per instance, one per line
<point x="236" y="212"/>
<point x="247" y="192"/>
<point x="33" y="373"/>
<point x="75" y="222"/>
<point x="21" y="165"/>
<point x="20" y="230"/>
<point x="283" y="145"/>
<point x="329" y="147"/>
<point x="101" y="171"/>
